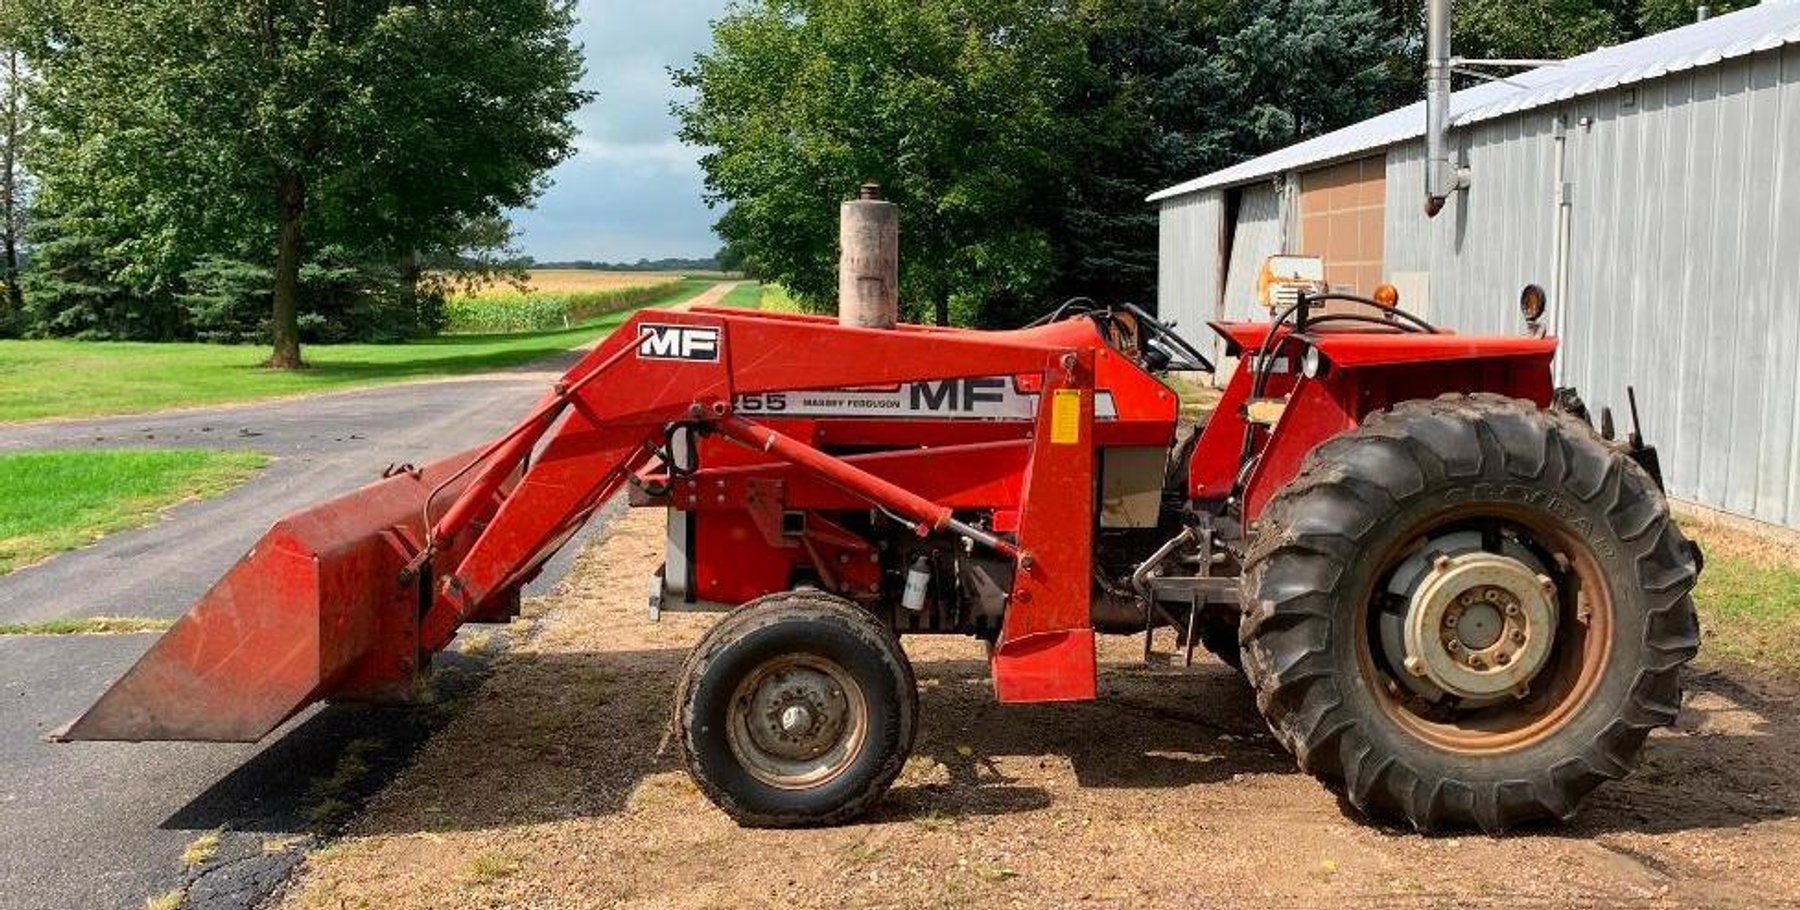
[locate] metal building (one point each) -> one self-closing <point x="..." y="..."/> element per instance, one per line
<point x="1652" y="187"/>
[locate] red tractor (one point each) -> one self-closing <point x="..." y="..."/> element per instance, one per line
<point x="1453" y="598"/>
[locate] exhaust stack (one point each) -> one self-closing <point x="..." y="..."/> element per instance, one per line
<point x="869" y="261"/>
<point x="1442" y="176"/>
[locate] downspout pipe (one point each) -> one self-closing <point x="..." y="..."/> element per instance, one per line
<point x="1442" y="176"/>
<point x="1559" y="276"/>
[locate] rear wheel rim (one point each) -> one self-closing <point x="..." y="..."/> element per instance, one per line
<point x="1570" y="671"/>
<point x="797" y="721"/>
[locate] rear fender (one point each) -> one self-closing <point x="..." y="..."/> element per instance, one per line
<point x="1338" y="399"/>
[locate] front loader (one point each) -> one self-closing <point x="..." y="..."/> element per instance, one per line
<point x="1454" y="599"/>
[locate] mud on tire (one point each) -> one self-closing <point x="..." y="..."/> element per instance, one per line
<point x="838" y="660"/>
<point x="1317" y="562"/>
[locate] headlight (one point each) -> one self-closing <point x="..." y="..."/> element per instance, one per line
<point x="1312" y="363"/>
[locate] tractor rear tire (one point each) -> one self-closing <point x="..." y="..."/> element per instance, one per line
<point x="1496" y="480"/>
<point x="795" y="710"/>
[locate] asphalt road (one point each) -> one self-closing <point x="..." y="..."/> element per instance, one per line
<point x="104" y="825"/>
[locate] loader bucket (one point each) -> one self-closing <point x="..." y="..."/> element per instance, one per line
<point x="316" y="610"/>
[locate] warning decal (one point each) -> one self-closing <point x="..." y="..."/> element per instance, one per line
<point x="1065" y="417"/>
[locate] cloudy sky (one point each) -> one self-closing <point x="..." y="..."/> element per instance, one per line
<point x="632" y="191"/>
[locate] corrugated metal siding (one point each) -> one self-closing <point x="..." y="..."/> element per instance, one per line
<point x="1260" y="232"/>
<point x="1490" y="241"/>
<point x="1758" y="29"/>
<point x="1684" y="275"/>
<point x="1190" y="271"/>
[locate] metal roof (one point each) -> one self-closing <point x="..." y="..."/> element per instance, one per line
<point x="1771" y="25"/>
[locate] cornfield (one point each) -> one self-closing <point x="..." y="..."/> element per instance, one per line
<point x="557" y="300"/>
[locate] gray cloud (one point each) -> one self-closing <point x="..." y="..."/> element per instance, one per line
<point x="632" y="190"/>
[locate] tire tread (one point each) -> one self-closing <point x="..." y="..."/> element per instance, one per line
<point x="1399" y="452"/>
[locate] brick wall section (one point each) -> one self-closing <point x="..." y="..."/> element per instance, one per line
<point x="1342" y="220"/>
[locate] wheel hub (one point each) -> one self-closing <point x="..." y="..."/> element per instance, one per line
<point x="797" y="713"/>
<point x="797" y="721"/>
<point x="1480" y="625"/>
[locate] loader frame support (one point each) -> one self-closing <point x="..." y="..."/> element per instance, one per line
<point x="590" y="440"/>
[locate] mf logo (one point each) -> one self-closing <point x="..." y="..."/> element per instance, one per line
<point x="679" y="342"/>
<point x="958" y="394"/>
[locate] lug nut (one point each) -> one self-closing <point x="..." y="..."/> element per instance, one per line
<point x="1502" y="659"/>
<point x="1518" y="637"/>
<point x="1415" y="666"/>
<point x="1512" y="610"/>
<point x="1477" y="663"/>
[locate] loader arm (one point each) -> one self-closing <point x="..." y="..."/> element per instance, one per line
<point x="378" y="581"/>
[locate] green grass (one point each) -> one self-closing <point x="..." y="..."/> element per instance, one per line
<point x="334" y="797"/>
<point x="170" y="900"/>
<point x="99" y="625"/>
<point x="203" y="849"/>
<point x="1197" y="399"/>
<point x="1749" y="601"/>
<point x="776" y="299"/>
<point x="52" y="379"/>
<point x="56" y="501"/>
<point x="746" y="296"/>
<point x="488" y="867"/>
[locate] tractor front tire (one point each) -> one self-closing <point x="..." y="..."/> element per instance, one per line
<point x="1468" y="612"/>
<point x="797" y="709"/>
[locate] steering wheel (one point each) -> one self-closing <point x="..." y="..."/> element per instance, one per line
<point x="1133" y="332"/>
<point x="1157" y="334"/>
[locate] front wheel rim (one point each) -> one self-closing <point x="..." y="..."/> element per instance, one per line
<point x="797" y="721"/>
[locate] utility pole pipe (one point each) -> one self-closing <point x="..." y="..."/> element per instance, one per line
<point x="869" y="261"/>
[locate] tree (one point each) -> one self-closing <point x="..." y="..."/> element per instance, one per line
<point x="731" y="259"/>
<point x="267" y="131"/>
<point x="1549" y="29"/>
<point x="1189" y="87"/>
<point x="1654" y="16"/>
<point x="15" y="128"/>
<point x="1020" y="138"/>
<point x="951" y="107"/>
